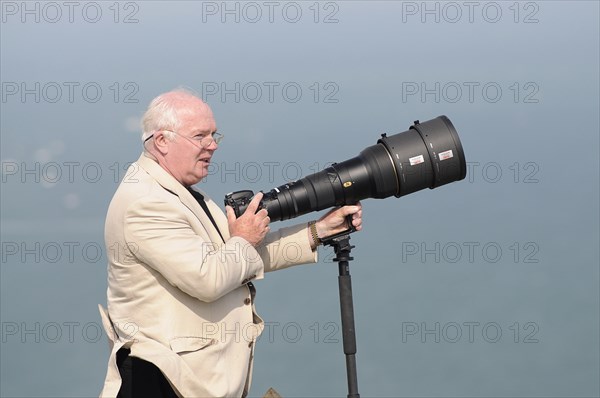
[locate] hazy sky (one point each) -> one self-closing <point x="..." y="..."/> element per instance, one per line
<point x="485" y="287"/>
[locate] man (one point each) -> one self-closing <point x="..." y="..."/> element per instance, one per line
<point x="181" y="316"/>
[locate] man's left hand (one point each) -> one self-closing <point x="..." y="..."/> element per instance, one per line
<point x="335" y="221"/>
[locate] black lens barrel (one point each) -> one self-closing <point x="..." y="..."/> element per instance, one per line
<point x="427" y="155"/>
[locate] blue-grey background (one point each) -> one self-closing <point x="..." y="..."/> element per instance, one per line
<point x="487" y="287"/>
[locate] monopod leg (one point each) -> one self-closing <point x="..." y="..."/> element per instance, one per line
<point x="342" y="249"/>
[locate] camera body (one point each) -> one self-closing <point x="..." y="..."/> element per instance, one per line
<point x="238" y="200"/>
<point x="271" y="201"/>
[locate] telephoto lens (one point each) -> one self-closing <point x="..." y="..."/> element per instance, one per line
<point x="427" y="155"/>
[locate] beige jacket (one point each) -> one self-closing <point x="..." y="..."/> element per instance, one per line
<point x="178" y="296"/>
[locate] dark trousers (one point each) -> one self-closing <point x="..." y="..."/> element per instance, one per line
<point x="141" y="379"/>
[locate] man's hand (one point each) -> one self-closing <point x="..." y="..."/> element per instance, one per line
<point x="335" y="221"/>
<point x="251" y="225"/>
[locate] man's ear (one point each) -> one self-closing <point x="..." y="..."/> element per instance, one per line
<point x="161" y="143"/>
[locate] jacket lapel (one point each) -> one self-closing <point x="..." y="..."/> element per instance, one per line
<point x="171" y="184"/>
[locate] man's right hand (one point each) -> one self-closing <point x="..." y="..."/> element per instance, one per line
<point x="251" y="225"/>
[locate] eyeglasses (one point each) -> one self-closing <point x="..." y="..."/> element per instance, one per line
<point x="203" y="140"/>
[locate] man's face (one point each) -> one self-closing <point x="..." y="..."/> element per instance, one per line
<point x="188" y="155"/>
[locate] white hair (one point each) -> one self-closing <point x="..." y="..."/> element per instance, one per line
<point x="162" y="113"/>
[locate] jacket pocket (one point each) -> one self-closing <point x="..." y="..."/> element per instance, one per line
<point x="189" y="343"/>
